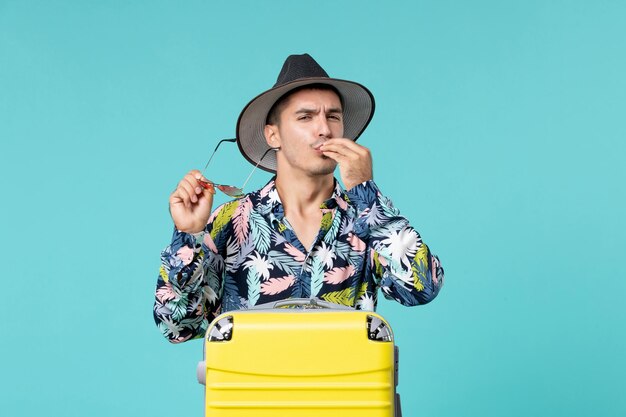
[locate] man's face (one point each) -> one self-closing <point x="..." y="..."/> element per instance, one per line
<point x="309" y="118"/>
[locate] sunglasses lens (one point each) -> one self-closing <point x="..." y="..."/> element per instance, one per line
<point x="230" y="190"/>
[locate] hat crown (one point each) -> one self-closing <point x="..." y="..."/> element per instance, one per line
<point x="297" y="67"/>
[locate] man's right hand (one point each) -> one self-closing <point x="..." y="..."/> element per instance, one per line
<point x="191" y="203"/>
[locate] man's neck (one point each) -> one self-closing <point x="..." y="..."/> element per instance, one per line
<point x="302" y="195"/>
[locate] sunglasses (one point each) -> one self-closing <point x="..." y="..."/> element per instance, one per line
<point x="229" y="190"/>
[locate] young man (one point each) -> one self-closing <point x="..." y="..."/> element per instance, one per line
<point x="301" y="235"/>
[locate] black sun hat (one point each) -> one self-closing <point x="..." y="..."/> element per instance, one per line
<point x="298" y="71"/>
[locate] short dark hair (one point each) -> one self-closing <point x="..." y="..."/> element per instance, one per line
<point x="273" y="117"/>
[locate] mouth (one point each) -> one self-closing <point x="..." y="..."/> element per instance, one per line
<point x="318" y="145"/>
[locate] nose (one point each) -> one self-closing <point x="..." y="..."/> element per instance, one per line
<point x="323" y="130"/>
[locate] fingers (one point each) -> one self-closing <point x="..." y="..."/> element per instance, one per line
<point x="345" y="150"/>
<point x="349" y="143"/>
<point x="207" y="186"/>
<point x="191" y="202"/>
<point x="355" y="161"/>
<point x="337" y="157"/>
<point x="191" y="188"/>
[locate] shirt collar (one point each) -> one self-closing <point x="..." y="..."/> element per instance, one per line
<point x="266" y="200"/>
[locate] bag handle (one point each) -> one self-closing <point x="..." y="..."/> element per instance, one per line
<point x="302" y="302"/>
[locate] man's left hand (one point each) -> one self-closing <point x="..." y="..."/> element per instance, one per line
<point x="355" y="161"/>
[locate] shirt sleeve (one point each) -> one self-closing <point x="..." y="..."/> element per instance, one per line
<point x="190" y="281"/>
<point x="402" y="264"/>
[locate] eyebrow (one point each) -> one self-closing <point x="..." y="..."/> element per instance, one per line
<point x="306" y="111"/>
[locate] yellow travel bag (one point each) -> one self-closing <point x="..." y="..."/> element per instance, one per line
<point x="300" y="358"/>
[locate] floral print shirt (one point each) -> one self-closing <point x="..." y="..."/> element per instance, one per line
<point x="248" y="254"/>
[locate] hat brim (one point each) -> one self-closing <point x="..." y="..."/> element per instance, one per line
<point x="358" y="109"/>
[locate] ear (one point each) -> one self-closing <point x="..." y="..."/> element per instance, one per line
<point x="272" y="137"/>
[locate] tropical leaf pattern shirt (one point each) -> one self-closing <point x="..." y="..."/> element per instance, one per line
<point x="248" y="254"/>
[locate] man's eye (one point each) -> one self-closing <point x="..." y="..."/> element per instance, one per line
<point x="334" y="117"/>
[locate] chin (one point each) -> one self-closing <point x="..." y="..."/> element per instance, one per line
<point x="327" y="168"/>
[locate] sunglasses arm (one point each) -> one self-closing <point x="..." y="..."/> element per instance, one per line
<point x="255" y="167"/>
<point x="215" y="150"/>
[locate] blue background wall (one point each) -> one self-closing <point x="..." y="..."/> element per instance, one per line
<point x="499" y="132"/>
